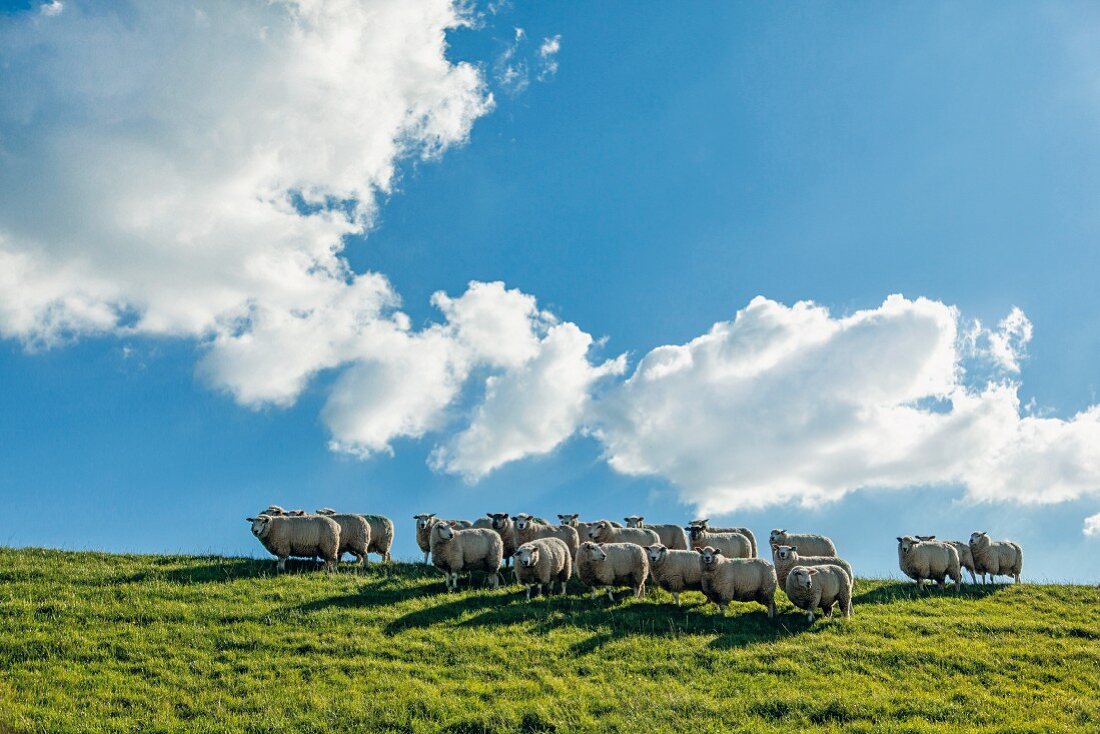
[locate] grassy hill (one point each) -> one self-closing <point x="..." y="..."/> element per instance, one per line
<point x="107" y="643"/>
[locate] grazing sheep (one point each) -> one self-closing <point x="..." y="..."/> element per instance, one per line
<point x="473" y="549"/>
<point x="705" y="525"/>
<point x="301" y="537"/>
<point x="542" y="562"/>
<point x="354" y="534"/>
<point x="996" y="557"/>
<point x="424" y="523"/>
<point x="736" y="579"/>
<point x="732" y="545"/>
<point x="930" y="559"/>
<point x="786" y="557"/>
<point x="607" y="565"/>
<point x="966" y="558"/>
<point x="675" y="571"/>
<point x="808" y="543"/>
<point x="821" y="587"/>
<point x="671" y="535"/>
<point x="526" y="528"/>
<point x="605" y="532"/>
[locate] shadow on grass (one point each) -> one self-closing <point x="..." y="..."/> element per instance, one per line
<point x="217" y="569"/>
<point x="908" y="591"/>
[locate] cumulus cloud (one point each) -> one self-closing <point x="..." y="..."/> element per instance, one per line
<point x="1092" y="526"/>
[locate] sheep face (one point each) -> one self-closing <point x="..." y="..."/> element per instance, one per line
<point x="499" y="519"/>
<point x="976" y="537"/>
<point x="656" y="552"/>
<point x="522" y="521"/>
<point x="594" y="551"/>
<point x="777" y="536"/>
<point x="699" y="523"/>
<point x="596" y="530"/>
<point x="527" y="555"/>
<point x="803" y="577"/>
<point x="907" y="543"/>
<point x="784" y="552"/>
<point x="709" y="555"/>
<point x="443" y="531"/>
<point x="634" y="521"/>
<point x="570" y="520"/>
<point x="424" y="520"/>
<point x="260" y="525"/>
<point x="694" y="532"/>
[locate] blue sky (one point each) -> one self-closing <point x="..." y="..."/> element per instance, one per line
<point x="672" y="169"/>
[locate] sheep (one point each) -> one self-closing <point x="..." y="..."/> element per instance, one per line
<point x="301" y="537"/>
<point x="542" y="562"/>
<point x="820" y="586"/>
<point x="503" y="525"/>
<point x="808" y="543"/>
<point x="786" y="557"/>
<point x="604" y="532"/>
<point x="929" y="559"/>
<point x="736" y="579"/>
<point x="470" y="549"/>
<point x="574" y="522"/>
<point x="732" y="545"/>
<point x="671" y="535"/>
<point x="526" y="528"/>
<point x="966" y="558"/>
<point x="609" y="565"/>
<point x="705" y="525"/>
<point x="996" y="557"/>
<point x="354" y="534"/>
<point x="674" y="571"/>
<point x="424" y="522"/>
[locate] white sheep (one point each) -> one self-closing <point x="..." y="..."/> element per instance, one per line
<point x="809" y="544"/>
<point x="300" y="537"/>
<point x="542" y="562"/>
<point x="966" y="558"/>
<point x="607" y="565"/>
<point x="456" y="551"/>
<point x="671" y="535"/>
<point x="424" y="523"/>
<point x="354" y="534"/>
<point x="674" y="571"/>
<point x="604" y="531"/>
<point x="732" y="545"/>
<point x="813" y="587"/>
<point x="574" y="522"/>
<point x="501" y="522"/>
<point x="786" y="557"/>
<point x="705" y="524"/>
<point x="526" y="528"/>
<point x="736" y="579"/>
<point x="996" y="557"/>
<point x="930" y="559"/>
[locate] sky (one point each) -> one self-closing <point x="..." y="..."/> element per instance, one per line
<point x="830" y="268"/>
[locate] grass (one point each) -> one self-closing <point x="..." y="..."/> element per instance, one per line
<point x="92" y="642"/>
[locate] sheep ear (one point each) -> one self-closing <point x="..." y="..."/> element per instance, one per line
<point x="899" y="538"/>
<point x="794" y="548"/>
<point x="251" y="519"/>
<point x="717" y="551"/>
<point x="699" y="551"/>
<point x="812" y="571"/>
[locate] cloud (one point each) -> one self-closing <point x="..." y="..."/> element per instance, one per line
<point x="52" y="8"/>
<point x="790" y="404"/>
<point x="1092" y="526"/>
<point x="548" y="53"/>
<point x="513" y="66"/>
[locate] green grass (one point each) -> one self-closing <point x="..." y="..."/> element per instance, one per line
<point x="93" y="642"/>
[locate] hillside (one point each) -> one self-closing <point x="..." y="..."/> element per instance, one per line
<point x="102" y="643"/>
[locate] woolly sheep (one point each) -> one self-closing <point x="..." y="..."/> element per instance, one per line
<point x="542" y="562"/>
<point x="821" y="587"/>
<point x="674" y="571"/>
<point x="424" y="523"/>
<point x="526" y="528"/>
<point x="786" y="557"/>
<point x="930" y="559"/>
<point x="604" y="532"/>
<point x="966" y="558"/>
<point x="301" y="537"/>
<point x="808" y="543"/>
<point x="574" y="522"/>
<point x="996" y="557"/>
<point x="473" y="549"/>
<point x="502" y="524"/>
<point x="705" y="524"/>
<point x="354" y="534"/>
<point x="671" y="535"/>
<point x="732" y="545"/>
<point x="736" y="579"/>
<point x="607" y="565"/>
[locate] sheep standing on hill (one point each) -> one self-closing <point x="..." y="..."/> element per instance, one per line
<point x="930" y="559"/>
<point x="607" y="565"/>
<point x="424" y="523"/>
<point x="996" y="557"/>
<point x="505" y="528"/>
<point x="605" y="532"/>
<point x="674" y="571"/>
<point x="354" y="534"/>
<point x="732" y="545"/>
<point x="574" y="522"/>
<point x="300" y="537"/>
<point x="786" y="557"/>
<point x="821" y="587"/>
<point x="966" y="558"/>
<point x="526" y="528"/>
<point x="736" y="579"/>
<point x="808" y="543"/>
<point x="542" y="562"/>
<point x="456" y="551"/>
<point x="705" y="525"/>
<point x="671" y="535"/>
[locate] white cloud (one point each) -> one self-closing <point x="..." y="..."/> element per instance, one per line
<point x="548" y="53"/>
<point x="1008" y="344"/>
<point x="1092" y="526"/>
<point x="52" y="8"/>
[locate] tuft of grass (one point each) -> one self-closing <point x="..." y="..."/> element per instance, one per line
<point x="93" y="642"/>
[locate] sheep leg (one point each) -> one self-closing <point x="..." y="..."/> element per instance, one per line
<point x="425" y="558"/>
<point x="722" y="606"/>
<point x="528" y="591"/>
<point x="810" y="616"/>
<point x="593" y="592"/>
<point x="676" y="597"/>
<point x="282" y="563"/>
<point x="1017" y="578"/>
<point x="771" y="608"/>
<point x="610" y="594"/>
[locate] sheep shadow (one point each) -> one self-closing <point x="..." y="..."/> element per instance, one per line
<point x="441" y="613"/>
<point x="891" y="592"/>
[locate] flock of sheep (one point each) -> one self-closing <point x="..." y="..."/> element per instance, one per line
<point x="721" y="563"/>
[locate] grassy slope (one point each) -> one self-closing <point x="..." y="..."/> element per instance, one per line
<point x="96" y="642"/>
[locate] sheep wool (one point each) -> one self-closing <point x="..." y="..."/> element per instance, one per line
<point x="820" y="587"/>
<point x="424" y="523"/>
<point x="541" y="562"/>
<point x="996" y="557"/>
<point x="930" y="559"/>
<point x="526" y="528"/>
<point x="503" y="525"/>
<point x="966" y="558"/>
<point x="705" y="524"/>
<point x="732" y="545"/>
<point x="608" y="565"/>
<point x="786" y="557"/>
<point x="674" y="571"/>
<point x="456" y="551"/>
<point x="671" y="535"/>
<point x="736" y="579"/>
<point x="354" y="534"/>
<point x="301" y="537"/>
<point x="808" y="543"/>
<point x="605" y="532"/>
